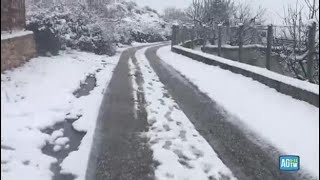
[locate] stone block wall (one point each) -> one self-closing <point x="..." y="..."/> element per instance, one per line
<point x="12" y="15"/>
<point x="255" y="56"/>
<point x="287" y="89"/>
<point x="16" y="51"/>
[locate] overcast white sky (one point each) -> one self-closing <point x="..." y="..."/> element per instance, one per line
<point x="274" y="7"/>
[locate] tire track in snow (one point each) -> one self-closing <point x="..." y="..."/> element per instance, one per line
<point x="181" y="151"/>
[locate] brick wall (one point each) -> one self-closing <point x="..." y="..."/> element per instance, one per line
<point x="16" y="51"/>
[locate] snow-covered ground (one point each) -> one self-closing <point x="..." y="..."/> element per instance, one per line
<point x="181" y="151"/>
<point x="289" y="124"/>
<point x="38" y="95"/>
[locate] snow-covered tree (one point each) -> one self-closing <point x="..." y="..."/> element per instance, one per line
<point x="175" y="15"/>
<point x="210" y="12"/>
<point x="293" y="38"/>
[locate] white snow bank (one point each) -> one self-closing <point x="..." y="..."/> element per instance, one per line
<point x="289" y="124"/>
<point x="278" y="77"/>
<point x="14" y="34"/>
<point x="37" y="95"/>
<point x="181" y="151"/>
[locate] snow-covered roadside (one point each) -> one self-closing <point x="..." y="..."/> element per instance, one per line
<point x="88" y="107"/>
<point x="181" y="151"/>
<point x="258" y="70"/>
<point x="40" y="94"/>
<point x="289" y="124"/>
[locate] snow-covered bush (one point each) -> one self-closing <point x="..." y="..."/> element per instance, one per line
<point x="95" y="28"/>
<point x="72" y="26"/>
<point x="146" y="25"/>
<point x="46" y="38"/>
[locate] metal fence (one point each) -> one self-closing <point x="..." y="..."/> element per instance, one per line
<point x="286" y="50"/>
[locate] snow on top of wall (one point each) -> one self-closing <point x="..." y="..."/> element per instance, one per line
<point x="264" y="72"/>
<point x="236" y="47"/>
<point x="9" y="35"/>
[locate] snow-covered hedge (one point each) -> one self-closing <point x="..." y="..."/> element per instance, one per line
<point x="93" y="29"/>
<point x="61" y="26"/>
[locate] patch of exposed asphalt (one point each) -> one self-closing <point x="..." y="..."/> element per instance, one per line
<point x="73" y="135"/>
<point x="75" y="138"/>
<point x="119" y="151"/>
<point x="85" y="87"/>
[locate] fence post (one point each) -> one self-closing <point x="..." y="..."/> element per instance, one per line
<point x="229" y="34"/>
<point x="183" y="33"/>
<point x="311" y="49"/>
<point x="219" y="39"/>
<point x="213" y="41"/>
<point x="192" y="36"/>
<point x="205" y="36"/>
<point x="269" y="46"/>
<point x="175" y="31"/>
<point x="240" y="42"/>
<point x="179" y="34"/>
<point x="186" y="35"/>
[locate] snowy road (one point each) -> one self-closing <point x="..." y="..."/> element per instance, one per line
<point x="236" y="146"/>
<point x="156" y="124"/>
<point x="143" y="134"/>
<point x="162" y="116"/>
<point x="119" y="152"/>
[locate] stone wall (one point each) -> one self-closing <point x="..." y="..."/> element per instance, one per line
<point x="252" y="55"/>
<point x="16" y="51"/>
<point x="281" y="87"/>
<point x="190" y="44"/>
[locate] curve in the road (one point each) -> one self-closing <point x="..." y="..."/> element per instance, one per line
<point x="120" y="153"/>
<point x="245" y="158"/>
